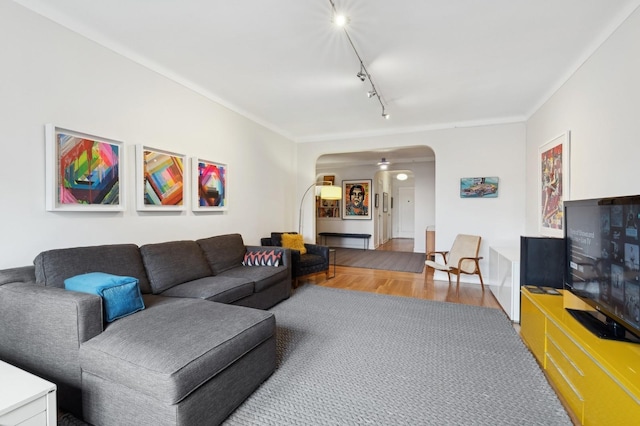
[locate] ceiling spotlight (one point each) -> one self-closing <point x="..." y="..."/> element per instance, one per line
<point x="361" y="75"/>
<point x="402" y="176"/>
<point x="385" y="115"/>
<point x="371" y="93"/>
<point x="383" y="164"/>
<point x="340" y="20"/>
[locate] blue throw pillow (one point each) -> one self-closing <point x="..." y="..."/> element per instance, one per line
<point x="120" y="295"/>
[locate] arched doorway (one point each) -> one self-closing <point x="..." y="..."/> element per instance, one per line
<point x="388" y="218"/>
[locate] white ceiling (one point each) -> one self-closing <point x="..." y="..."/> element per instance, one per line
<point x="436" y="63"/>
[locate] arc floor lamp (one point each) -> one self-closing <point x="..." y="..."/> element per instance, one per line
<point x="328" y="191"/>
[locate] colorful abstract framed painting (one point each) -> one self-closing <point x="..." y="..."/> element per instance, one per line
<point x="209" y="185"/>
<point x="160" y="179"/>
<point x="553" y="181"/>
<point x="84" y="172"/>
<point x="356" y="199"/>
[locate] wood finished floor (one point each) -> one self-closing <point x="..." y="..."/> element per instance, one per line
<point x="421" y="286"/>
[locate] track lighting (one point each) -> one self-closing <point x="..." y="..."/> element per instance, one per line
<point x="363" y="74"/>
<point x="383" y="164"/>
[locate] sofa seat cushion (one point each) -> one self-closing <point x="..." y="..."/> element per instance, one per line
<point x="174" y="262"/>
<point x="263" y="277"/>
<point x="172" y="348"/>
<point x="217" y="289"/>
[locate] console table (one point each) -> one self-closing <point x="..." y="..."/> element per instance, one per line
<point x="25" y="399"/>
<point x="599" y="379"/>
<point x="366" y="237"/>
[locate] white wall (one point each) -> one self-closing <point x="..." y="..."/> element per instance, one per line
<point x="51" y="75"/>
<point x="599" y="105"/>
<point x="464" y="152"/>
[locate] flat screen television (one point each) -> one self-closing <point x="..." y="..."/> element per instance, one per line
<point x="602" y="265"/>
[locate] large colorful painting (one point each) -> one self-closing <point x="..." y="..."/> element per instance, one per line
<point x="357" y="199"/>
<point x="84" y="172"/>
<point x="209" y="186"/>
<point x="553" y="175"/>
<point x="160" y="179"/>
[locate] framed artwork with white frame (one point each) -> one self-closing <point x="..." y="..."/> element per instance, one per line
<point x="553" y="184"/>
<point x="208" y="185"/>
<point x="83" y="172"/>
<point x="160" y="179"/>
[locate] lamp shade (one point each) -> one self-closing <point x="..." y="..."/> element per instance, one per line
<point x="330" y="192"/>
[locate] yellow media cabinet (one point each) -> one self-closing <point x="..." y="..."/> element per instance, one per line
<point x="598" y="379"/>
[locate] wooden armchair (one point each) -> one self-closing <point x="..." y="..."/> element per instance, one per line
<point x="461" y="259"/>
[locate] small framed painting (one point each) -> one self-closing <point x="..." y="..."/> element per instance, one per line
<point x="84" y="172"/>
<point x="209" y="185"/>
<point x="479" y="187"/>
<point x="357" y="199"/>
<point x="553" y="184"/>
<point x="160" y="179"/>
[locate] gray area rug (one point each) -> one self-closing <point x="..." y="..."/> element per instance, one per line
<point x="354" y="358"/>
<point x="381" y="259"/>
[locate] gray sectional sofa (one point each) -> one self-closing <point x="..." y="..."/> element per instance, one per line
<point x="202" y="344"/>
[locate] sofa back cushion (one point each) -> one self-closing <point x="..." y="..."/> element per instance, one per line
<point x="52" y="267"/>
<point x="172" y="263"/>
<point x="223" y="252"/>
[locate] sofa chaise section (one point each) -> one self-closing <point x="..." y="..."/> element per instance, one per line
<point x="187" y="371"/>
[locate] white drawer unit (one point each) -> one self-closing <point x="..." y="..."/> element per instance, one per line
<point x="25" y="399"/>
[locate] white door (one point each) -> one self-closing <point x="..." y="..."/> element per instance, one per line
<point x="406" y="212"/>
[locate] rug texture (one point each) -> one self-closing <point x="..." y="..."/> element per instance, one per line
<point x="354" y="358"/>
<point x="381" y="259"/>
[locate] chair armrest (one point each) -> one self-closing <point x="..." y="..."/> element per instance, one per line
<point x="441" y="253"/>
<point x="318" y="249"/>
<point x="473" y="259"/>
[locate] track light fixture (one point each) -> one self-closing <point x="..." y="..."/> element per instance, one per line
<point x="363" y="74"/>
<point x="383" y="164"/>
<point x="340" y="20"/>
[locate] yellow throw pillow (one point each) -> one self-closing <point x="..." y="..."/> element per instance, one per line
<point x="294" y="242"/>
